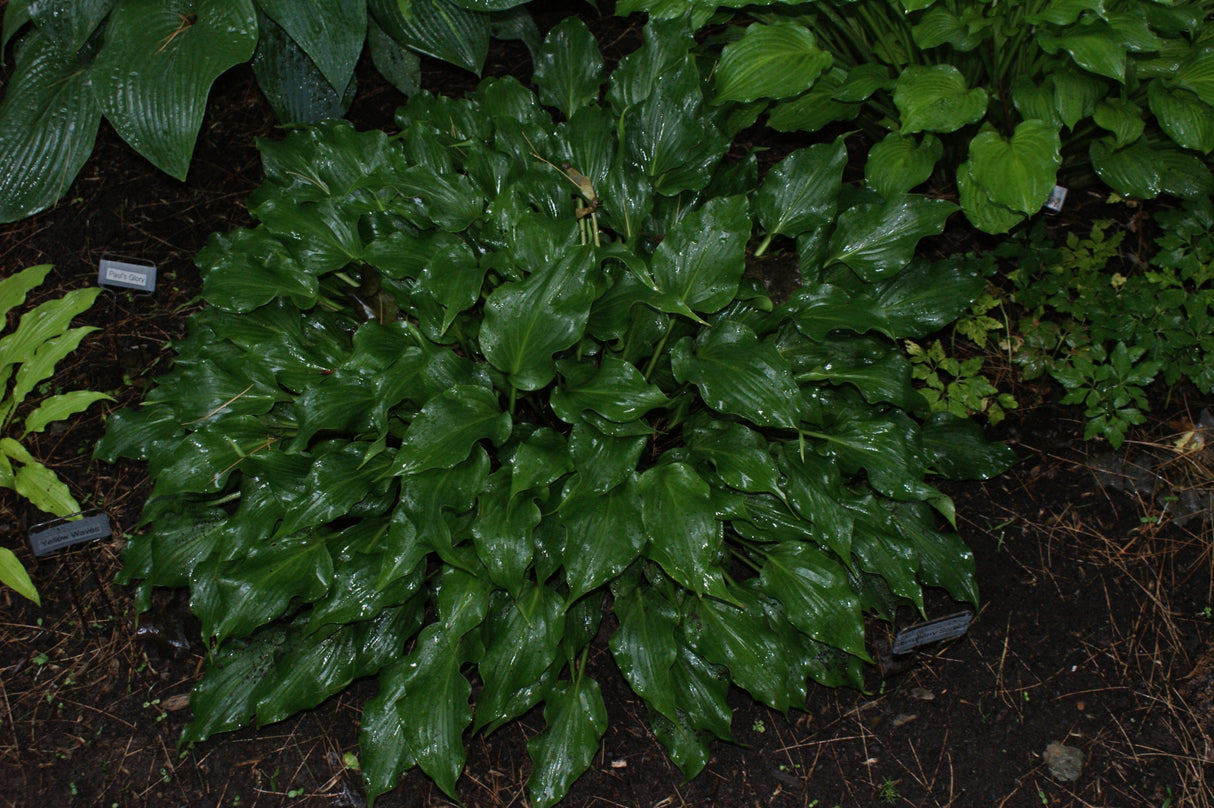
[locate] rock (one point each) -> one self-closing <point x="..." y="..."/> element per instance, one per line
<point x="1064" y="762"/>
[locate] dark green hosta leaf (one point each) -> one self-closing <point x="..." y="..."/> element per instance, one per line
<point x="699" y="263"/>
<point x="937" y="99"/>
<point x="1094" y="47"/>
<point x="801" y="191"/>
<point x="183" y="533"/>
<point x="202" y="461"/>
<point x="527" y="321"/>
<point x="330" y="32"/>
<point x="329" y="160"/>
<point x="356" y="595"/>
<point x="876" y="240"/>
<point x="816" y="108"/>
<point x="428" y="697"/>
<point x="1196" y="73"/>
<point x="761" y="653"/>
<point x="522" y="637"/>
<point x="429" y="500"/>
<point x="233" y="598"/>
<point x="982" y="211"/>
<point x="684" y="534"/>
<point x="291" y="80"/>
<point x="666" y="43"/>
<point x="48" y="122"/>
<point x="702" y="690"/>
<point x="688" y="748"/>
<point x="448" y="427"/>
<point x="68" y="23"/>
<point x="502" y="532"/>
<point x="876" y="551"/>
<point x="739" y="375"/>
<point x="670" y="135"/>
<point x="454" y="277"/>
<point x="246" y="269"/>
<point x="1076" y="93"/>
<point x="569" y="70"/>
<point x="959" y="451"/>
<point x="814" y="488"/>
<point x="348" y="400"/>
<point x="223" y="699"/>
<point x="887" y="446"/>
<point x="399" y="65"/>
<point x="1122" y="118"/>
<point x="615" y="389"/>
<point x="575" y="719"/>
<point x="1182" y="116"/>
<point x="437" y="28"/>
<point x="818" y="310"/>
<point x="897" y="163"/>
<point x="1018" y="173"/>
<point x="604" y="534"/>
<point x="944" y="560"/>
<point x="153" y="75"/>
<point x="539" y="460"/>
<point x="338" y="480"/>
<point x="816" y="594"/>
<point x="450" y="201"/>
<point x="741" y="456"/>
<point x="645" y="648"/>
<point x="602" y="461"/>
<point x="879" y="373"/>
<point x="769" y="61"/>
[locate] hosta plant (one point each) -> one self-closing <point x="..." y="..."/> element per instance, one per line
<point x="29" y="352"/>
<point x="466" y="389"/>
<point x="997" y="94"/>
<point x="147" y="67"/>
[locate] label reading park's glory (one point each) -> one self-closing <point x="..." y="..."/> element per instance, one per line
<point x="127" y="275"/>
<point x="938" y="630"/>
<point x="59" y="533"/>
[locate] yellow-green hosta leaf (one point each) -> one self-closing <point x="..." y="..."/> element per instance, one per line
<point x="37" y="483"/>
<point x="14" y="289"/>
<point x="937" y="99"/>
<point x="1020" y="172"/>
<point x="1182" y="116"/>
<point x="13" y="574"/>
<point x="57" y="408"/>
<point x="770" y="61"/>
<point x="982" y="211"/>
<point x="897" y="164"/>
<point x="1124" y="118"/>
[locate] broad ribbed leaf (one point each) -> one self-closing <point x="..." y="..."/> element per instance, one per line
<point x="1018" y="173"/>
<point x="937" y="99"/>
<point x="983" y="212"/>
<point x="202" y="461"/>
<point x="68" y="23"/>
<point x="816" y="594"/>
<point x="821" y="309"/>
<point x="645" y="648"/>
<point x="1131" y="171"/>
<point x="815" y="109"/>
<point x="879" y="373"/>
<point x="330" y="32"/>
<point x="522" y="637"/>
<point x="569" y="70"/>
<point x="604" y="534"/>
<point x="1196" y="74"/>
<point x="944" y="560"/>
<point x="1182" y="116"/>
<point x="814" y="488"/>
<point x="438" y="28"/>
<point x="337" y="481"/>
<point x="739" y="375"/>
<point x="48" y="122"/>
<point x="575" y="719"/>
<point x="1124" y="118"/>
<point x="541" y="459"/>
<point x="527" y="321"/>
<point x="801" y="191"/>
<point x="684" y="534"/>
<point x="769" y="61"/>
<point x="699" y="263"/>
<point x="291" y="80"/>
<point x="897" y="163"/>
<point x="396" y="63"/>
<point x="877" y="240"/>
<point x="448" y="427"/>
<point x="1094" y="47"/>
<point x="153" y="75"/>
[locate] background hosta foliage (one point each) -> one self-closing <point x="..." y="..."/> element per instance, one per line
<point x="1000" y="94"/>
<point x="429" y="430"/>
<point x="147" y="67"/>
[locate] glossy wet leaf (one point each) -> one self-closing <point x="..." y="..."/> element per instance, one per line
<point x="522" y="636"/>
<point x="800" y="192"/>
<point x="575" y="719"/>
<point x="604" y="534"/>
<point x="155" y="71"/>
<point x="700" y="261"/>
<point x="447" y="428"/>
<point x="876" y="240"/>
<point x="684" y="536"/>
<point x="330" y="32"/>
<point x="769" y="61"/>
<point x="569" y="70"/>
<point x="814" y="589"/>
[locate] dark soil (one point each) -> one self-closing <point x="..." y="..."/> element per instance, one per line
<point x="1093" y="632"/>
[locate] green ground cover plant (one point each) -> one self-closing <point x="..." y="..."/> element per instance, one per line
<point x="29" y="353"/>
<point x="997" y="96"/>
<point x="1106" y="336"/>
<point x="465" y="389"/>
<point x="147" y="67"/>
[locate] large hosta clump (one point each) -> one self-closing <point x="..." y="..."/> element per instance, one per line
<point x="467" y="389"/>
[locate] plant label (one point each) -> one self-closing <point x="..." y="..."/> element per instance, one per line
<point x="938" y="630"/>
<point x="127" y="275"/>
<point x="1056" y="199"/>
<point x="56" y="534"/>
